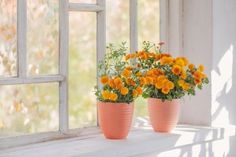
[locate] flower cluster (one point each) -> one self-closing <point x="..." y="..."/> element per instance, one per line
<point x="150" y="73"/>
<point x="165" y="77"/>
<point x="119" y="81"/>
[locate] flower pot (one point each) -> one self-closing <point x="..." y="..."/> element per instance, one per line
<point x="115" y="119"/>
<point x="163" y="115"/>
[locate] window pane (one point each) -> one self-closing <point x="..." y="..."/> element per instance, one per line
<point x="117" y="21"/>
<point x="8" y="53"/>
<point x="42" y="36"/>
<point x="82" y="1"/>
<point x="148" y="21"/>
<point x="28" y="108"/>
<point x="82" y="70"/>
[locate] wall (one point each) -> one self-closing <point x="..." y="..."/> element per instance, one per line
<point x="197" y="46"/>
<point x="209" y="38"/>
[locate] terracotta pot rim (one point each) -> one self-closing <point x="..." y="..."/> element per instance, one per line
<point x="116" y="103"/>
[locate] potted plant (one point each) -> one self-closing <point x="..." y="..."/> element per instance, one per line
<point x="165" y="80"/>
<point x="119" y="86"/>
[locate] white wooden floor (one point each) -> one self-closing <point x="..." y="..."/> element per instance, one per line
<point x="140" y="141"/>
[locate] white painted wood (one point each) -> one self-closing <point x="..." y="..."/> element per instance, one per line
<point x="101" y="36"/>
<point x="22" y="140"/>
<point x="164" y="22"/>
<point x="175" y="27"/>
<point x="63" y="65"/>
<point x="133" y="25"/>
<point x="85" y="7"/>
<point x="31" y="80"/>
<point x="140" y="141"/>
<point x="21" y="38"/>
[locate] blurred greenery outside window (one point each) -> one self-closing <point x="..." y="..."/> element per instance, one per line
<point x="33" y="108"/>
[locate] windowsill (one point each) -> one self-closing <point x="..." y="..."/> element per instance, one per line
<point x="140" y="141"/>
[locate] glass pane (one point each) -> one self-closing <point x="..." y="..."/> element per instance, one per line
<point x="8" y="23"/>
<point x="28" y="108"/>
<point x="42" y="36"/>
<point x="117" y="21"/>
<point x="82" y="70"/>
<point x="148" y="21"/>
<point x="82" y="1"/>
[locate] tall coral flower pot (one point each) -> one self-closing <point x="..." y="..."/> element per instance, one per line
<point x="163" y="115"/>
<point x="115" y="119"/>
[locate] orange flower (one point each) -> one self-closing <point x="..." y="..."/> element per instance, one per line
<point x="126" y="73"/>
<point x="149" y="80"/>
<point x="165" y="90"/>
<point x="113" y="96"/>
<point x="170" y="85"/>
<point x="117" y="81"/>
<point x="166" y="60"/>
<point x="191" y="66"/>
<point x="111" y="83"/>
<point x="176" y="69"/>
<point x="201" y="68"/>
<point x="197" y="81"/>
<point x="124" y="91"/>
<point x="158" y="85"/>
<point x="198" y="75"/>
<point x="135" y="93"/>
<point x="105" y="94"/>
<point x="128" y="56"/>
<point x="139" y="90"/>
<point x="104" y="79"/>
<point x="143" y="81"/>
<point x="131" y="82"/>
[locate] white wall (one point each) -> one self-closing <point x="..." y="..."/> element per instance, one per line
<point x="197" y="46"/>
<point x="209" y="38"/>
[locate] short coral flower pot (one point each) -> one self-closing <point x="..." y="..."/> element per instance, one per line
<point x="115" y="119"/>
<point x="163" y="115"/>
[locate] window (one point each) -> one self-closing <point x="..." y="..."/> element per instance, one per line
<point x="48" y="55"/>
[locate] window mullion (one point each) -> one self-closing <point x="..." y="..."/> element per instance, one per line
<point x="63" y="65"/>
<point x="133" y="26"/>
<point x="21" y="38"/>
<point x="101" y="34"/>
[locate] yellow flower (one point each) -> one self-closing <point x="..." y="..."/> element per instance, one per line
<point x="176" y="69"/>
<point x="201" y="68"/>
<point x="104" y="79"/>
<point x="180" y="62"/>
<point x="124" y="91"/>
<point x="186" y="86"/>
<point x="183" y="75"/>
<point x="113" y="96"/>
<point x="105" y="94"/>
<point x="181" y="82"/>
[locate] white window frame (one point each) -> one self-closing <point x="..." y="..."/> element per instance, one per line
<point x="62" y="78"/>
